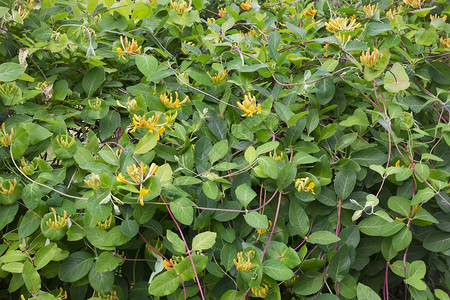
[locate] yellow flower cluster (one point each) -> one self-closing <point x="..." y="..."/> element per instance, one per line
<point x="438" y="17"/>
<point x="247" y="5"/>
<point x="390" y="14"/>
<point x="128" y="48"/>
<point x="139" y="176"/>
<point x="370" y="10"/>
<point x="243" y="264"/>
<point x="219" y="78"/>
<point x="263" y="230"/>
<point x="342" y="24"/>
<point x="112" y="295"/>
<point x="59" y="222"/>
<point x="173" y="262"/>
<point x="6" y="138"/>
<point x="414" y="3"/>
<point x="445" y="42"/>
<point x="181" y="7"/>
<point x="169" y="103"/>
<point x="150" y="123"/>
<point x="311" y="13"/>
<point x="10" y="191"/>
<point x="304" y="184"/>
<point x="131" y="104"/>
<point x="222" y="12"/>
<point x="107" y="223"/>
<point x="95" y="104"/>
<point x="7" y="90"/>
<point x="260" y="291"/>
<point x="28" y="168"/>
<point x="370" y="59"/>
<point x="249" y="106"/>
<point x="275" y="156"/>
<point x="66" y="143"/>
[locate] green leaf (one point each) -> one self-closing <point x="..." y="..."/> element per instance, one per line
<point x="10" y="71"/>
<point x="31" y="277"/>
<point x="245" y="194"/>
<point x="374" y="29"/>
<point x="308" y="285"/>
<point x="203" y="241"/>
<point x="210" y="189"/>
<point x="422" y="195"/>
<point x="129" y="227"/>
<point x="417" y="283"/>
<point x="286" y="175"/>
<point x="372" y="225"/>
<point x="274" y="41"/>
<point x="250" y="154"/>
<point x="31" y="195"/>
<point x="253" y="68"/>
<point x="20" y="142"/>
<point x="183" y="210"/>
<point x="107" y="262"/>
<point x="328" y="131"/>
<point x="93" y="79"/>
<point x="39" y="133"/>
<point x="268" y="166"/>
<point x="147" y="64"/>
<point x="426" y="36"/>
<point x="177" y="244"/>
<point x="402" y="239"/>
<point x="325" y="89"/>
<point x="323" y="238"/>
<point x="396" y="79"/>
<point x="44" y="255"/>
<point x="75" y="266"/>
<point x="366" y="293"/>
<point x="101" y="281"/>
<point x="218" y="151"/>
<point x="344" y="183"/>
<point x="147" y="143"/>
<point x="186" y="180"/>
<point x="399" y="205"/>
<point x="199" y="76"/>
<point x="227" y="254"/>
<point x="417" y="269"/>
<point x="7" y="214"/>
<point x="277" y="270"/>
<point x="164" y="284"/>
<point x="440" y="72"/>
<point x="339" y="264"/>
<point x="298" y="219"/>
<point x="257" y="220"/>
<point x="437" y="241"/>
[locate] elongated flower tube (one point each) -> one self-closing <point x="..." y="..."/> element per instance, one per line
<point x="128" y="48"/>
<point x="243" y="264"/>
<point x="169" y="103"/>
<point x="304" y="184"/>
<point x="247" y="5"/>
<point x="370" y="59"/>
<point x="181" y="7"/>
<point x="58" y="222"/>
<point x="219" y="78"/>
<point x="370" y="10"/>
<point x="342" y="24"/>
<point x="6" y="138"/>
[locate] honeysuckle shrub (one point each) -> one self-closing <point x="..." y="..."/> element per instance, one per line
<point x="293" y="149"/>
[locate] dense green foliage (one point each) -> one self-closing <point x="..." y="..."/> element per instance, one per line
<point x="293" y="149"/>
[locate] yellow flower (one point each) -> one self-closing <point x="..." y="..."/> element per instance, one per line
<point x="263" y="230"/>
<point x="94" y="182"/>
<point x="111" y="295"/>
<point x="6" y="138"/>
<point x="142" y="193"/>
<point x="311" y="13"/>
<point x="342" y="24"/>
<point x="130" y="106"/>
<point x="107" y="223"/>
<point x="150" y="124"/>
<point x="249" y="106"/>
<point x="438" y="17"/>
<point x="173" y="262"/>
<point x="391" y="14"/>
<point x="260" y="291"/>
<point x="219" y="78"/>
<point x="344" y="39"/>
<point x="137" y="173"/>
<point x="222" y="12"/>
<point x="66" y="143"/>
<point x="28" y="167"/>
<point x="62" y="294"/>
<point x="129" y="48"/>
<point x="10" y="191"/>
<point x="304" y="184"/>
<point x="370" y="59"/>
<point x="275" y="156"/>
<point x="445" y="42"/>
<point x="58" y="222"/>
<point x="181" y="7"/>
<point x="370" y="10"/>
<point x="169" y="102"/>
<point x="414" y="3"/>
<point x="247" y="5"/>
<point x="243" y="264"/>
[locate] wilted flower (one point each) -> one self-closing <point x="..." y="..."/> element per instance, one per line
<point x="181" y="7"/>
<point x="249" y="106"/>
<point x="247" y="5"/>
<point x="370" y="59"/>
<point x="23" y="53"/>
<point x="129" y="48"/>
<point x="370" y="10"/>
<point x="342" y="24"/>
